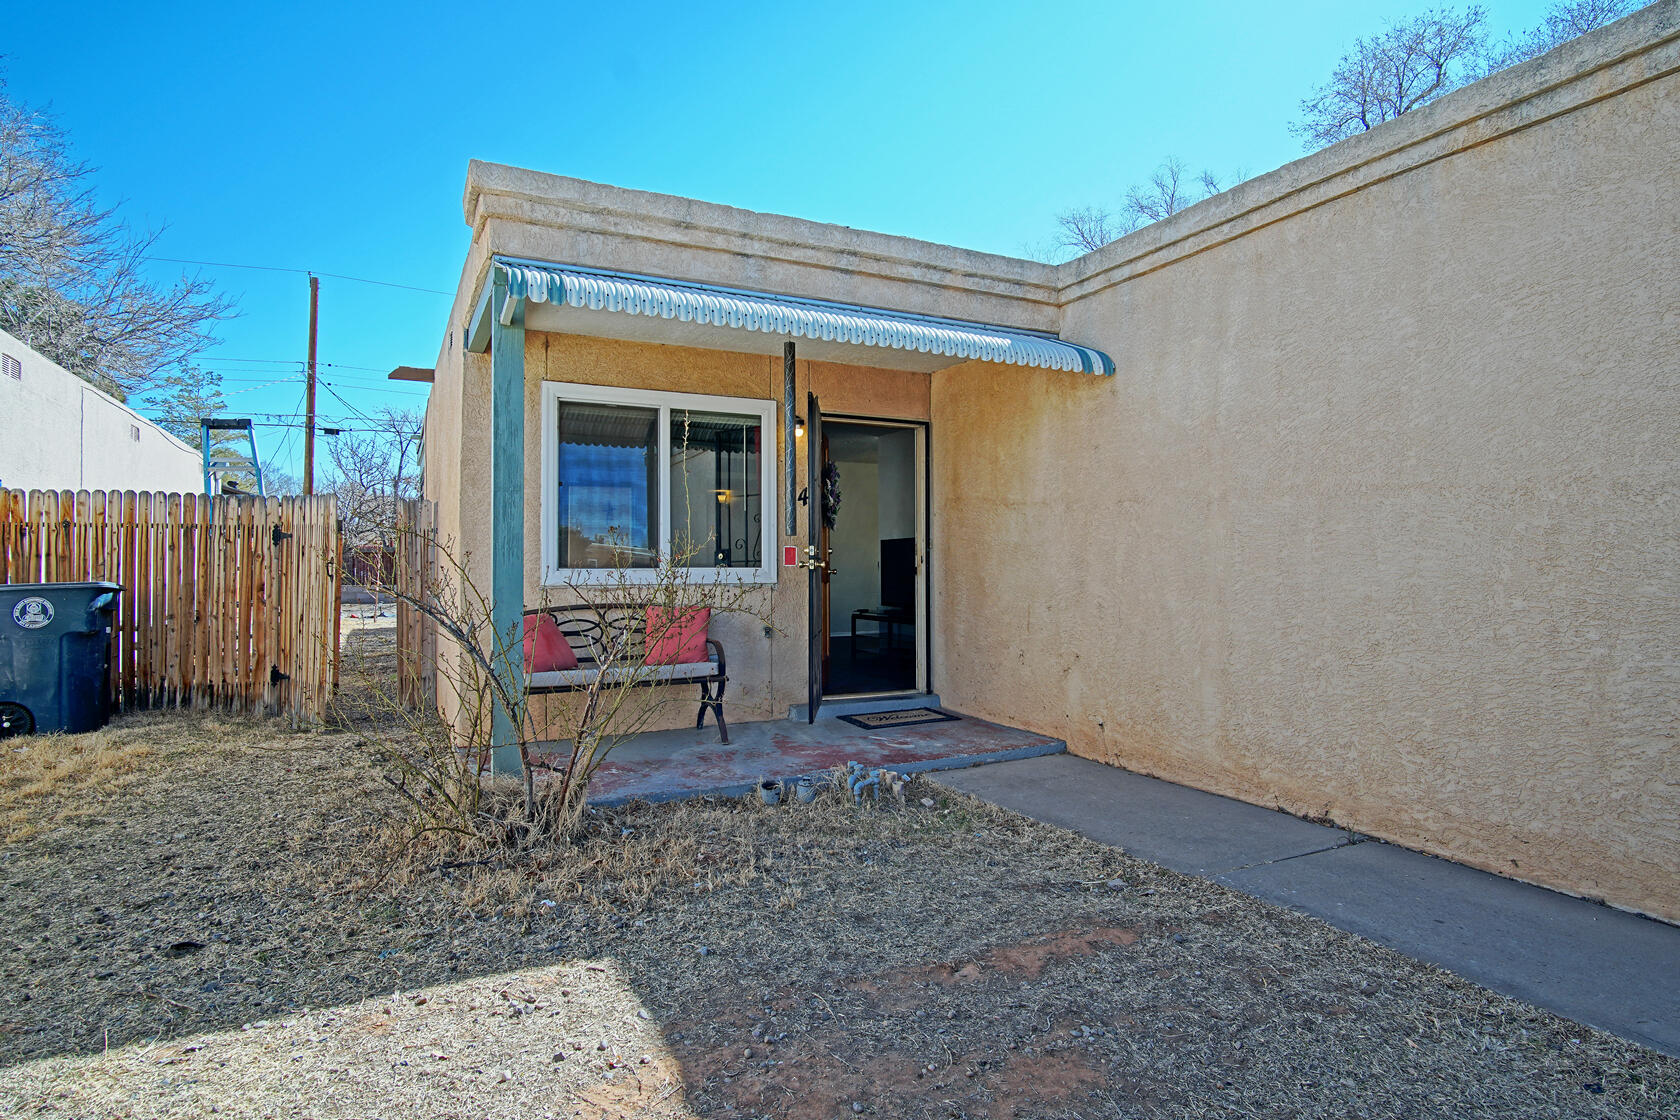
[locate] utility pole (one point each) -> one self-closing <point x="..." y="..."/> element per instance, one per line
<point x="309" y="393"/>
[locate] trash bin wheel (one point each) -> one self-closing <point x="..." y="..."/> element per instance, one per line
<point x="15" y="720"/>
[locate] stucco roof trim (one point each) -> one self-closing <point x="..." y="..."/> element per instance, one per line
<point x="791" y="316"/>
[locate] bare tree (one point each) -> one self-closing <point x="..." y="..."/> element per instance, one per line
<point x="279" y="483"/>
<point x="1563" y="22"/>
<point x="1408" y="64"/>
<point x="1087" y="228"/>
<point x="1167" y="192"/>
<point x="71" y="273"/>
<point x="372" y="467"/>
<point x="183" y="398"/>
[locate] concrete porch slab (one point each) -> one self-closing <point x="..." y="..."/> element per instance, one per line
<point x="669" y="765"/>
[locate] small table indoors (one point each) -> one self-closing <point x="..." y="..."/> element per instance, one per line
<point x="886" y="620"/>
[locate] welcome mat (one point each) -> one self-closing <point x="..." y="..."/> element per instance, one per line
<point x="907" y="717"/>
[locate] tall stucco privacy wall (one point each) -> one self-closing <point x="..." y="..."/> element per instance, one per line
<point x="58" y="432"/>
<point x="1378" y="519"/>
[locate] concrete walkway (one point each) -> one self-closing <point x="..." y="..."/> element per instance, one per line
<point x="1603" y="967"/>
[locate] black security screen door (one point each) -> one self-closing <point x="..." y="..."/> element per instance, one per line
<point x="815" y="559"/>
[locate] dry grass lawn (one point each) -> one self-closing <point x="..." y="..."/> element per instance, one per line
<point x="204" y="915"/>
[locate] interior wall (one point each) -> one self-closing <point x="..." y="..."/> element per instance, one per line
<point x="855" y="539"/>
<point x="898" y="485"/>
<point x="1379" y="519"/>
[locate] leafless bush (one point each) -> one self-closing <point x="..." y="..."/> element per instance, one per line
<point x="443" y="771"/>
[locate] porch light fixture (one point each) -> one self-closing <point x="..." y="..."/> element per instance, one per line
<point x="798" y="426"/>
<point x="723" y="496"/>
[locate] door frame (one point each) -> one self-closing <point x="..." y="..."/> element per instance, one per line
<point x="922" y="478"/>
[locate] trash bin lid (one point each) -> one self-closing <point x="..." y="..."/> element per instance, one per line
<point x="32" y="606"/>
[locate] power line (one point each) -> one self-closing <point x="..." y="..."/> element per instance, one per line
<point x="338" y="428"/>
<point x="365" y="378"/>
<point x="376" y="384"/>
<point x="329" y="387"/>
<point x="389" y="389"/>
<point x="285" y="440"/>
<point x="275" y="418"/>
<point x="254" y="388"/>
<point x="266" y="377"/>
<point x="301" y="272"/>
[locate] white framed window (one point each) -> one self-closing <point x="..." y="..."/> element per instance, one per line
<point x="633" y="475"/>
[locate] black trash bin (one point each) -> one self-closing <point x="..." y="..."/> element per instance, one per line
<point x="55" y="656"/>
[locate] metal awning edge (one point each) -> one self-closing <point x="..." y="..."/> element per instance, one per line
<point x="792" y="317"/>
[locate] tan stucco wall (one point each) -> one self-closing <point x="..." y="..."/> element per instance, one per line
<point x="457" y="460"/>
<point x="1380" y="518"/>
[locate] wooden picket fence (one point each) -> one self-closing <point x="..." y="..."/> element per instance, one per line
<point x="414" y="574"/>
<point x="228" y="601"/>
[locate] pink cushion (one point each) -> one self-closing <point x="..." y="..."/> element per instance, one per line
<point x="680" y="640"/>
<point x="546" y="649"/>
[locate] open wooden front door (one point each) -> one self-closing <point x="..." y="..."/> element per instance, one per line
<point x="816" y="556"/>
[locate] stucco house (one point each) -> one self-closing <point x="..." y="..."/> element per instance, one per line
<point x="1354" y="490"/>
<point x="59" y="432"/>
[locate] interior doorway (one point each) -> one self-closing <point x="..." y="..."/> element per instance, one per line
<point x="874" y="608"/>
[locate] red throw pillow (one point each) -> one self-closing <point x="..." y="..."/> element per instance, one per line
<point x="680" y="640"/>
<point x="546" y="649"/>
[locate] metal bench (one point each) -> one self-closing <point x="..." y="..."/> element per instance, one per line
<point x="594" y="632"/>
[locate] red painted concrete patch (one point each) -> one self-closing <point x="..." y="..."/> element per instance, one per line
<point x="664" y="765"/>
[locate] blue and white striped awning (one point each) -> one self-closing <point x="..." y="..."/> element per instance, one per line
<point x="590" y="290"/>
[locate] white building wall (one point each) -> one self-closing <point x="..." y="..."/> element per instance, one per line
<point x="57" y="432"/>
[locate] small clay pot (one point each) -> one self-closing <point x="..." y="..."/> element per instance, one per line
<point x="770" y="792"/>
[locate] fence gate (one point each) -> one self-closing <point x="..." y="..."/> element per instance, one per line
<point x="414" y="579"/>
<point x="227" y="601"/>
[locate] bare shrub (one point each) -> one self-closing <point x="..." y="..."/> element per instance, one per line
<point x="444" y="771"/>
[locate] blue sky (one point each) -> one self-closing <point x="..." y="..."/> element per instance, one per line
<point x="335" y="137"/>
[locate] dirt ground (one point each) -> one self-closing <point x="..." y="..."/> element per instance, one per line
<point x="199" y="915"/>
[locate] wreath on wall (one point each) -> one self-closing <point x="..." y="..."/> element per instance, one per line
<point x="830" y="494"/>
